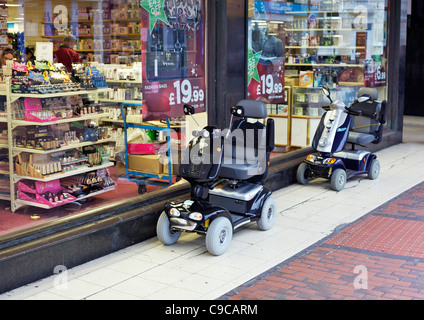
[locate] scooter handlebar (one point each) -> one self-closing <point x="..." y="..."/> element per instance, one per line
<point x="353" y="112"/>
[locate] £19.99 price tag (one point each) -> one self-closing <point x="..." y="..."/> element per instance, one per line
<point x="187" y="93"/>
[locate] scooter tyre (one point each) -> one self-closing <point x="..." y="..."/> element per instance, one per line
<point x="303" y="174"/>
<point x="268" y="213"/>
<point x="164" y="232"/>
<point x="338" y="179"/>
<point x="219" y="235"/>
<point x="374" y="171"/>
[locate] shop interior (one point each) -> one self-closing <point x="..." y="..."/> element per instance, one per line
<point x="68" y="149"/>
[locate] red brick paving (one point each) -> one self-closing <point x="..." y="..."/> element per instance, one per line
<point x="387" y="243"/>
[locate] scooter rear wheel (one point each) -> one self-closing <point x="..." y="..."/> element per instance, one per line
<point x="219" y="235"/>
<point x="268" y="213"/>
<point x="374" y="171"/>
<point x="164" y="232"/>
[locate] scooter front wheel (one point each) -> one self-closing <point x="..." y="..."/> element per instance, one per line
<point x="164" y="232"/>
<point x="219" y="235"/>
<point x="338" y="179"/>
<point x="303" y="173"/>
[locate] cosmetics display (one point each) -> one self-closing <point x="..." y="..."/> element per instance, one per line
<point x="88" y="183"/>
<point x="50" y="193"/>
<point x="44" y="77"/>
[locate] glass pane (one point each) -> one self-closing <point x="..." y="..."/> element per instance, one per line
<point x="338" y="43"/>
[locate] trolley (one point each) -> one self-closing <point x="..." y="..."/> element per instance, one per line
<point x="144" y="178"/>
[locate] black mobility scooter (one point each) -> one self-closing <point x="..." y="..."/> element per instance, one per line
<point x="226" y="170"/>
<point x="359" y="124"/>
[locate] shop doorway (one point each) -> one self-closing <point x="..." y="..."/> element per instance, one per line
<point x="414" y="73"/>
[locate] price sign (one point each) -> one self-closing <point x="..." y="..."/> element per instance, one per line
<point x="173" y="71"/>
<point x="186" y="93"/>
<point x="265" y="78"/>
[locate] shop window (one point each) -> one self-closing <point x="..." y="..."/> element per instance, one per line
<point x="296" y="47"/>
<point x="101" y="121"/>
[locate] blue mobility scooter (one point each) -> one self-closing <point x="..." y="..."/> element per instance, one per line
<point x="359" y="124"/>
<point x="226" y="170"/>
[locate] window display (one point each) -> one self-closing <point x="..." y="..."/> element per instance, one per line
<point x="76" y="132"/>
<point x="338" y="43"/>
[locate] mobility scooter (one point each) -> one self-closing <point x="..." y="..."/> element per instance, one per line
<point x="226" y="170"/>
<point x="360" y="124"/>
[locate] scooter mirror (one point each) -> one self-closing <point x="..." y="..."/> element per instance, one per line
<point x="188" y="109"/>
<point x="237" y="111"/>
<point x="326" y="91"/>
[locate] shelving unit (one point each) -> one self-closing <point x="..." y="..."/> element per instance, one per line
<point x="307" y="110"/>
<point x="109" y="34"/>
<point x="4" y="196"/>
<point x="15" y="151"/>
<point x="281" y="113"/>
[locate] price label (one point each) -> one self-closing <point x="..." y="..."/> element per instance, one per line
<point x="268" y="86"/>
<point x="184" y="92"/>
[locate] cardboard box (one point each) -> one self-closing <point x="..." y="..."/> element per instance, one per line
<point x="175" y="164"/>
<point x="145" y="163"/>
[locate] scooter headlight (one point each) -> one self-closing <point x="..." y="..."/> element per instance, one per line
<point x="329" y="161"/>
<point x="195" y="216"/>
<point x="174" y="212"/>
<point x="311" y="158"/>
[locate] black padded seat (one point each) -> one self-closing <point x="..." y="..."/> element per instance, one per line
<point x="247" y="143"/>
<point x="238" y="171"/>
<point x="366" y="127"/>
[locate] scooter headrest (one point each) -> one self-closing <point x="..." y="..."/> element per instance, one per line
<point x="250" y="109"/>
<point x="369" y="92"/>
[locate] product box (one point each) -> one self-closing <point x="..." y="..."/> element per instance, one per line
<point x="146" y="148"/>
<point x="34" y="111"/>
<point x="145" y="163"/>
<point x="306" y="78"/>
<point x="282" y="109"/>
<point x="291" y="81"/>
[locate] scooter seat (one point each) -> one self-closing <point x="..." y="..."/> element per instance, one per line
<point x="360" y="138"/>
<point x="230" y="169"/>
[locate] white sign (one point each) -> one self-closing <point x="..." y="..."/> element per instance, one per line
<point x="44" y="51"/>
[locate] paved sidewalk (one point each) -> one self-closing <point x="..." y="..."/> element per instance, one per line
<point x="381" y="256"/>
<point x="306" y="216"/>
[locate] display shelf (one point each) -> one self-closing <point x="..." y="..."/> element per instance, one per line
<point x="344" y="65"/>
<point x="324" y="47"/>
<point x="89" y="116"/>
<point x="15" y="96"/>
<point x="323" y="29"/>
<point x="62" y="175"/>
<point x="120" y="101"/>
<point x="21" y="202"/>
<point x="124" y="81"/>
<point x="14" y="151"/>
<point x="108" y="50"/>
<point x="4" y="197"/>
<point x="68" y="147"/>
